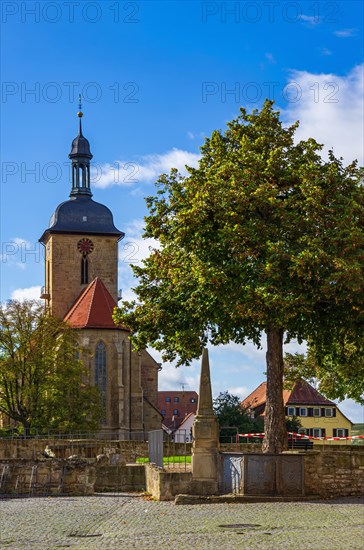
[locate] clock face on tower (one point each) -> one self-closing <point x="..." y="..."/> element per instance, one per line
<point x="85" y="246"/>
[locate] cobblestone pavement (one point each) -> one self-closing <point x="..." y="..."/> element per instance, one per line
<point x="129" y="521"/>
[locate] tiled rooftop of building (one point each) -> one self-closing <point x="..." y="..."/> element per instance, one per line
<point x="301" y="393"/>
<point x="93" y="308"/>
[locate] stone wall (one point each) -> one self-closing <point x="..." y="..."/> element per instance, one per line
<point x="47" y="477"/>
<point x="335" y="471"/>
<point x="165" y="484"/>
<point x="119" y="477"/>
<point x="69" y="477"/>
<point x="128" y="451"/>
<point x="328" y="472"/>
<point x="240" y="448"/>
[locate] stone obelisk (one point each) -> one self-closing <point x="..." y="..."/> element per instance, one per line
<point x="205" y="436"/>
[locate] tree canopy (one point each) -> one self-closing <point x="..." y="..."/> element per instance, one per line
<point x="229" y="413"/>
<point x="43" y="384"/>
<point x="264" y="236"/>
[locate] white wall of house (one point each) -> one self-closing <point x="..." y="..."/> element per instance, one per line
<point x="184" y="432"/>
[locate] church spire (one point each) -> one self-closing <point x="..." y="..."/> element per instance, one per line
<point x="80" y="155"/>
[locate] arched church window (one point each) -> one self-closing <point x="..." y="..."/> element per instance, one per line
<point x="100" y="373"/>
<point x="84" y="270"/>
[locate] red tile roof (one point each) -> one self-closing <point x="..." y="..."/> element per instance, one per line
<point x="256" y="398"/>
<point x="93" y="308"/>
<point x="302" y="393"/>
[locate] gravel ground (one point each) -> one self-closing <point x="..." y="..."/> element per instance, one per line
<point x="127" y="521"/>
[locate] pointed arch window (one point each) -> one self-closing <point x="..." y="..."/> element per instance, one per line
<point x="84" y="270"/>
<point x="100" y="373"/>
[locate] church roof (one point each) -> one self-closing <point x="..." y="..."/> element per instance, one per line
<point x="93" y="308"/>
<point x="82" y="215"/>
<point x="80" y="146"/>
<point x="302" y="393"/>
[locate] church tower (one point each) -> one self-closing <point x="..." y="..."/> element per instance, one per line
<point x="81" y="287"/>
<point x="81" y="242"/>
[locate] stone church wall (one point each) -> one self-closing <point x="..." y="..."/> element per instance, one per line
<point x="63" y="260"/>
<point x="116" y="391"/>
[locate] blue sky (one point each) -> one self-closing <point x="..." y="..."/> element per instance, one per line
<point x="156" y="78"/>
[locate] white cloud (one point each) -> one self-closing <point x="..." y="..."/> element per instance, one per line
<point x="345" y="33"/>
<point x="146" y="170"/>
<point x="133" y="250"/>
<point x="251" y="352"/>
<point x="239" y="391"/>
<point x="172" y="378"/>
<point x="330" y="109"/>
<point x="17" y="251"/>
<point x="30" y="293"/>
<point x="19" y="241"/>
<point x="325" y="51"/>
<point x="311" y="20"/>
<point x="270" y="58"/>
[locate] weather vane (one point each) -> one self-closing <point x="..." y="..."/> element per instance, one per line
<point x="80" y="113"/>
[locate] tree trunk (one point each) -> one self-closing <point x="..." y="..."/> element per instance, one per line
<point x="275" y="440"/>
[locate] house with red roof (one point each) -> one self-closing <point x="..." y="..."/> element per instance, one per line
<point x="319" y="416"/>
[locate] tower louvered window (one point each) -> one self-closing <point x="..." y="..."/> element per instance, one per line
<point x="84" y="270"/>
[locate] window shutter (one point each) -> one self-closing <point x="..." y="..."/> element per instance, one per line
<point x="297" y="411"/>
<point x="322" y="412"/>
<point x="323" y="432"/>
<point x="310" y="411"/>
<point x="334" y="432"/>
<point x="334" y="411"/>
<point x="346" y="433"/>
<point x="286" y="411"/>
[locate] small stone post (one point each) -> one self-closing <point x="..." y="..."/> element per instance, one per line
<point x="205" y="432"/>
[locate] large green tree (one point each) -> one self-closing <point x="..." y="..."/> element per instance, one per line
<point x="263" y="237"/>
<point x="43" y="384"/>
